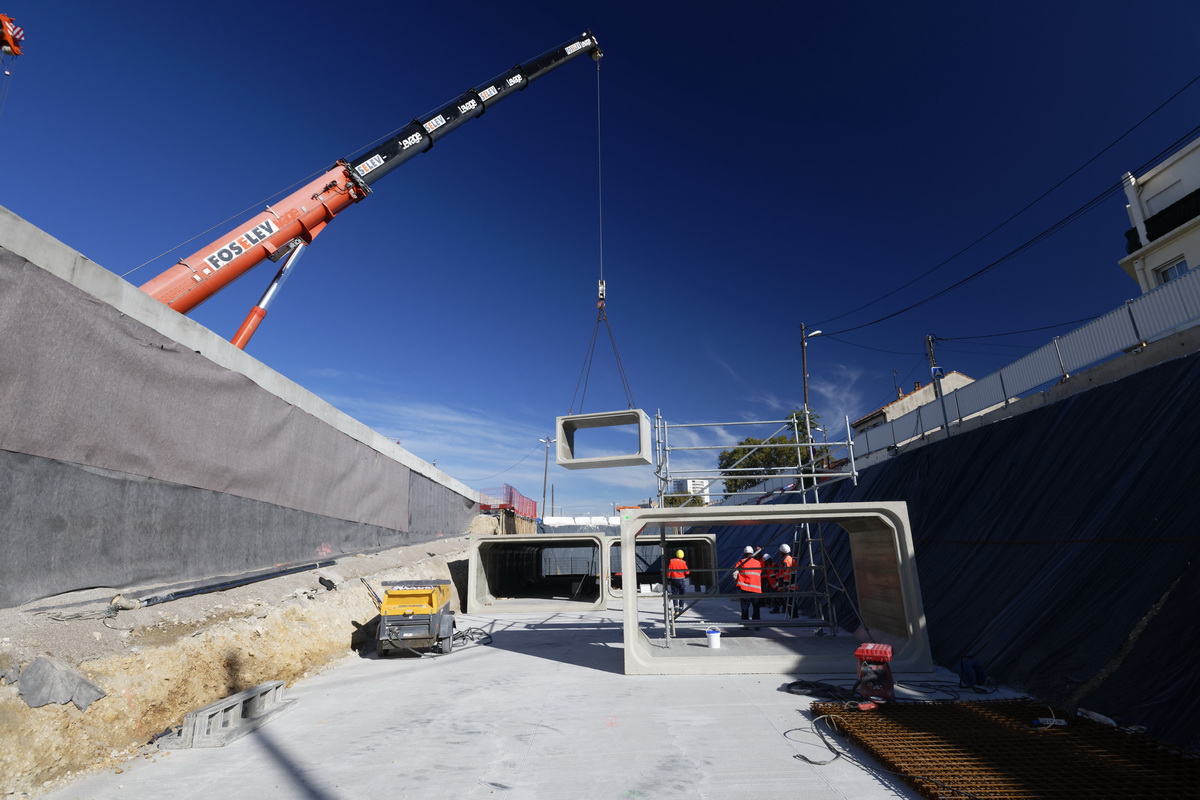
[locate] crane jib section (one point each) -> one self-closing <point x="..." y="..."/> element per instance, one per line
<point x="420" y="134"/>
<point x="303" y="214"/>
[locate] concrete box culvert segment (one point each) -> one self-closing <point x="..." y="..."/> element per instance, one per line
<point x="571" y="571"/>
<point x="566" y="454"/>
<point x="885" y="574"/>
<point x="536" y="572"/>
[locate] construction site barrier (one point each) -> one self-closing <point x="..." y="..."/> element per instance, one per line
<point x="219" y="723"/>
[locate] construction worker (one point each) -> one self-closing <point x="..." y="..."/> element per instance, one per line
<point x="748" y="573"/>
<point x="785" y="577"/>
<point x="769" y="580"/>
<point x="677" y="572"/>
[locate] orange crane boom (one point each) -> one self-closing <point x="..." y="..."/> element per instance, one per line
<point x="283" y="230"/>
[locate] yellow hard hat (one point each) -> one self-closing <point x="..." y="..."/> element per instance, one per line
<point x="679" y="554"/>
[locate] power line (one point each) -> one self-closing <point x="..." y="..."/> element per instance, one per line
<point x="1025" y="208"/>
<point x="1012" y="333"/>
<point x="1029" y="243"/>
<point x="866" y="347"/>
<point x="501" y="472"/>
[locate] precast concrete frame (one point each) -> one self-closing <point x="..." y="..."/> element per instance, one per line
<point x="483" y="564"/>
<point x="885" y="573"/>
<point x="564" y="453"/>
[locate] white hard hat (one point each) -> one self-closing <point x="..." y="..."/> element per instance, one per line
<point x="785" y="548"/>
<point x="748" y="549"/>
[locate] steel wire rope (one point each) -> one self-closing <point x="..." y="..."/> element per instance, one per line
<point x="601" y="315"/>
<point x="236" y="215"/>
<point x="6" y="81"/>
<point x="264" y="201"/>
<point x="599" y="176"/>
<point x="585" y="371"/>
<point x="1025" y="208"/>
<point x="620" y="367"/>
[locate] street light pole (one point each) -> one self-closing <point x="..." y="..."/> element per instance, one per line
<point x="545" y="472"/>
<point x="805" y="335"/>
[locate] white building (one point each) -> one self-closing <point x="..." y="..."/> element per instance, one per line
<point x="919" y="396"/>
<point x="696" y="486"/>
<point x="1164" y="209"/>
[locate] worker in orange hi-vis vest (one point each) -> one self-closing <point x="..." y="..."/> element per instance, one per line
<point x="748" y="573"/>
<point x="677" y="572"/>
<point x="786" y="577"/>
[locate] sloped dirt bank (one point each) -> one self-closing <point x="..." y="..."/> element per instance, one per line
<point x="160" y="662"/>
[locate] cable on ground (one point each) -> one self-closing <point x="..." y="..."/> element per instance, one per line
<point x="859" y="762"/>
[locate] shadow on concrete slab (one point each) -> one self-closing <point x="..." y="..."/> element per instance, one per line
<point x="595" y="646"/>
<point x="303" y="788"/>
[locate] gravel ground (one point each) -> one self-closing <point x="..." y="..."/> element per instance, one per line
<point x="159" y="662"/>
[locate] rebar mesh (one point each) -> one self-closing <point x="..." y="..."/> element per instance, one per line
<point x="992" y="750"/>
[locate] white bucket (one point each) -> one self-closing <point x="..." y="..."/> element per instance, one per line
<point x="714" y="638"/>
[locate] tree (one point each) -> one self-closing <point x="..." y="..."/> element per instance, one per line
<point x="748" y="465"/>
<point x="678" y="501"/>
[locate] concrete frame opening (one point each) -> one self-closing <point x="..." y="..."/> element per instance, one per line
<point x="698" y="551"/>
<point x="887" y="597"/>
<point x="536" y="572"/>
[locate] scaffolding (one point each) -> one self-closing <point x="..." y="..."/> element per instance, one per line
<point x="816" y="463"/>
<point x="807" y="598"/>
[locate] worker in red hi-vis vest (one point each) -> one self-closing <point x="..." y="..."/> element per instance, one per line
<point x="769" y="575"/>
<point x="748" y="573"/>
<point x="677" y="572"/>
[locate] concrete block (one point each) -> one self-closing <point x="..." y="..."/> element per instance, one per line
<point x="564" y="454"/>
<point x="219" y="723"/>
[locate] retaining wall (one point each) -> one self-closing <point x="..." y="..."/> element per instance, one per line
<point x="137" y="446"/>
<point x="1060" y="548"/>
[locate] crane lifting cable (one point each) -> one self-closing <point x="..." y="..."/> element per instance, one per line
<point x="601" y="315"/>
<point x="590" y="355"/>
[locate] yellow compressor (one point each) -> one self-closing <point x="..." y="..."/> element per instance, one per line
<point x="415" y="614"/>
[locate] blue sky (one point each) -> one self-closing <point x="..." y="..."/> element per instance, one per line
<point x="762" y="165"/>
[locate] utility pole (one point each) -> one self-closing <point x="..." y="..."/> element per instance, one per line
<point x="935" y="374"/>
<point x="933" y="367"/>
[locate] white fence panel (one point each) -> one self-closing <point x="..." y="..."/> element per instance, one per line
<point x="1098" y="340"/>
<point x="1161" y="311"/>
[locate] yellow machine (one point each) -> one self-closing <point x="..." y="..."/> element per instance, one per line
<point x="415" y="614"/>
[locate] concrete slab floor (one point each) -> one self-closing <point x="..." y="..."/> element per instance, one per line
<point x="542" y="711"/>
